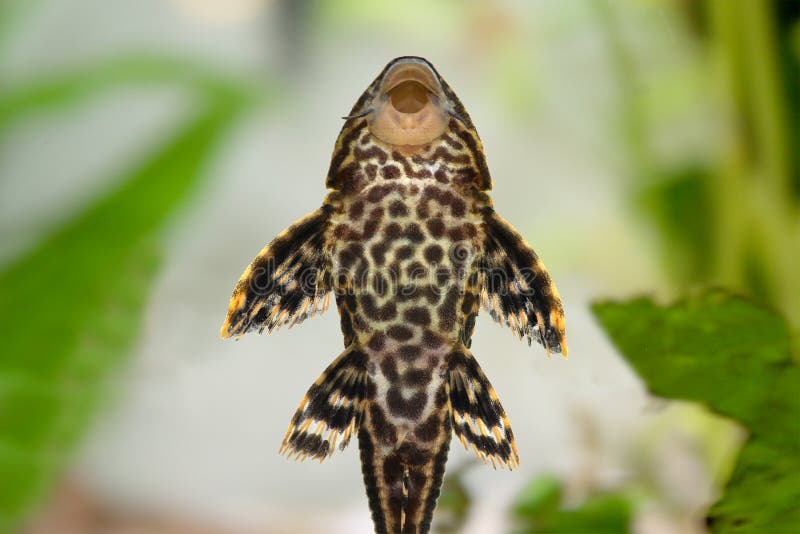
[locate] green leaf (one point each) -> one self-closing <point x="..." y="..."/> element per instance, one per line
<point x="733" y="356"/>
<point x="70" y="309"/>
<point x="539" y="509"/>
<point x="62" y="90"/>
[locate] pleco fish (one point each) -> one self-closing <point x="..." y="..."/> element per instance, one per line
<point x="408" y="242"/>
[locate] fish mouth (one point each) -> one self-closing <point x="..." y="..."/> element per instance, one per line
<point x="409" y="109"/>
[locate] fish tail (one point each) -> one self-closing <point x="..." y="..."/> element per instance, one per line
<point x="402" y="485"/>
<point x="403" y="474"/>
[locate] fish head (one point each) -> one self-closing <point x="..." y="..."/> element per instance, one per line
<point x="408" y="107"/>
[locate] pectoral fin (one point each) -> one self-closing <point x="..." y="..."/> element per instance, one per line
<point x="516" y="288"/>
<point x="478" y="418"/>
<point x="286" y="283"/>
<point x="331" y="411"/>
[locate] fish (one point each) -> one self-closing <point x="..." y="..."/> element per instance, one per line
<point x="408" y="243"/>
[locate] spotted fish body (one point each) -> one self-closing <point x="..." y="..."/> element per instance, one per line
<point x="409" y="244"/>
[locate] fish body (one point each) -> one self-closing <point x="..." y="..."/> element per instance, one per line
<point x="408" y="242"/>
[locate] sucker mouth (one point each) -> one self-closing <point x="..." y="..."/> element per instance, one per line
<point x="408" y="110"/>
<point x="410" y="71"/>
<point x="409" y="97"/>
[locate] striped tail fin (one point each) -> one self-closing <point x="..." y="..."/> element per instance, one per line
<point x="403" y="474"/>
<point x="403" y="485"/>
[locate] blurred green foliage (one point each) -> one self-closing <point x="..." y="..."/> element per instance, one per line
<point x="732" y="217"/>
<point x="72" y="88"/>
<point x="732" y="220"/>
<point x="454" y="502"/>
<point x="733" y="356"/>
<point x="678" y="203"/>
<point x="540" y="509"/>
<point x="71" y="307"/>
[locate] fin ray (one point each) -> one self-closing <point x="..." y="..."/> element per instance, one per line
<point x="287" y="282"/>
<point x="478" y="418"/>
<point x="516" y="288"/>
<point x="331" y="409"/>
